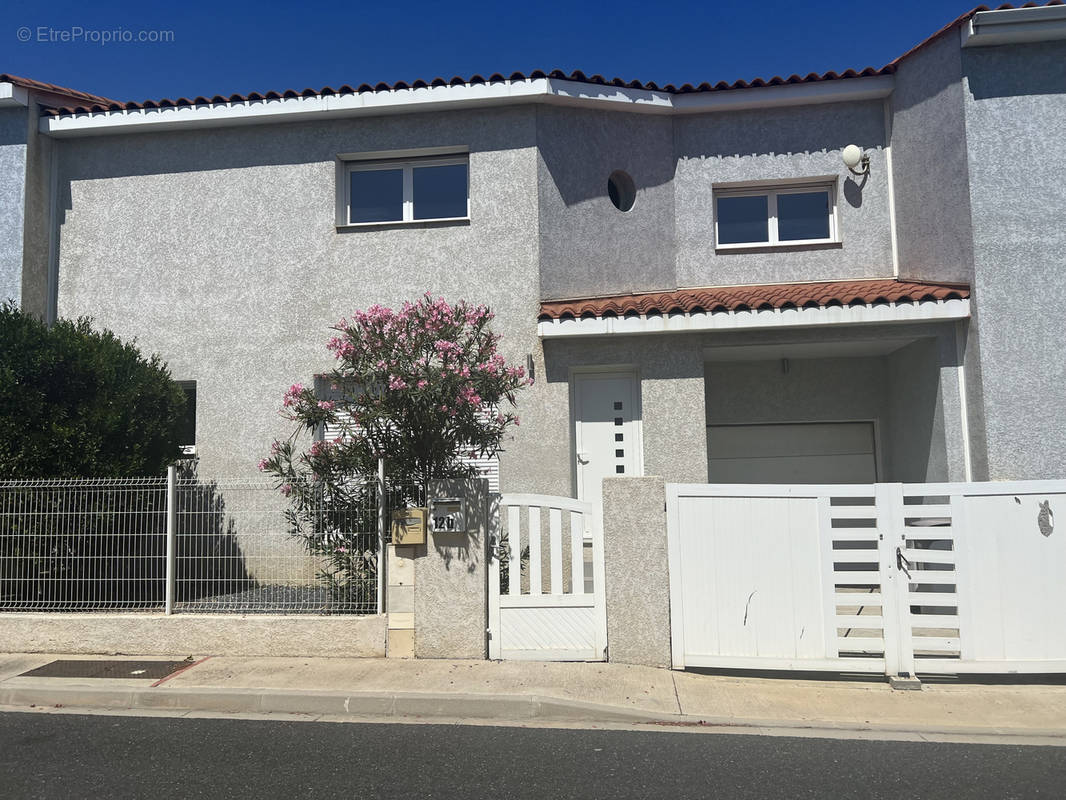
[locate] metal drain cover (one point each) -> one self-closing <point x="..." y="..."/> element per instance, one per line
<point x="77" y="668"/>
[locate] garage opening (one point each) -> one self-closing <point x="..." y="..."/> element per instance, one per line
<point x="822" y="452"/>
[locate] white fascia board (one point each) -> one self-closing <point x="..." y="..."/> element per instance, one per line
<point x="1015" y="26"/>
<point x="293" y="109"/>
<point x="790" y="94"/>
<point x="434" y="98"/>
<point x="12" y="95"/>
<point x="882" y="313"/>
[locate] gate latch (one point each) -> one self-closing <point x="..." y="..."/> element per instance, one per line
<point x="902" y="563"/>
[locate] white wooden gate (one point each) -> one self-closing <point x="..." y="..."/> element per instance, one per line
<point x="892" y="578"/>
<point x="550" y="604"/>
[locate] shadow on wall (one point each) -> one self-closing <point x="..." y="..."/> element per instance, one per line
<point x="309" y="142"/>
<point x="581" y="148"/>
<point x="791" y="131"/>
<point x="1036" y="68"/>
<point x="209" y="559"/>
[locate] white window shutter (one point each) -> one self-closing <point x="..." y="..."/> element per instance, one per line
<point x="486" y="466"/>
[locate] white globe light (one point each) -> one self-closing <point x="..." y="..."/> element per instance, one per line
<point x="852" y="156"/>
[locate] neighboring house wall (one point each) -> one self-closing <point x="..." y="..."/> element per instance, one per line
<point x="1015" y="105"/>
<point x="587" y="246"/>
<point x="782" y="144"/>
<point x="218" y="250"/>
<point x="13" y="127"/>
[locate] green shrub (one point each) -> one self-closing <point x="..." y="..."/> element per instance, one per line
<point x="75" y="402"/>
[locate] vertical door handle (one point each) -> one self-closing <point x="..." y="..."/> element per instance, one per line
<point x="902" y="563"/>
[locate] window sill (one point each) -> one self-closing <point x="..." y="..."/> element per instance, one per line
<point x="775" y="248"/>
<point x="409" y="223"/>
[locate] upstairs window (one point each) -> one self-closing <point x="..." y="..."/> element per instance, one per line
<point x="407" y="190"/>
<point x="775" y="216"/>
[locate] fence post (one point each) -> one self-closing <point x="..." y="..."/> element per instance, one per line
<point x="172" y="518"/>
<point x="895" y="587"/>
<point x="383" y="556"/>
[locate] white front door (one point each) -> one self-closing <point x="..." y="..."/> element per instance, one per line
<point x="606" y="430"/>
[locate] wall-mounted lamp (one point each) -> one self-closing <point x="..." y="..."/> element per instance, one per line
<point x="530" y="367"/>
<point x="854" y="157"/>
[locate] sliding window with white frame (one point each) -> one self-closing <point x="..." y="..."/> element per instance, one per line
<point x="776" y="216"/>
<point x="426" y="189"/>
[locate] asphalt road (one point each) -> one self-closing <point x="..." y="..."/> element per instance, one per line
<point x="67" y="756"/>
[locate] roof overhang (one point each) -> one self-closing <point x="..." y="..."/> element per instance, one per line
<point x="829" y="303"/>
<point x="748" y="319"/>
<point x="1015" y="26"/>
<point x="438" y="98"/>
<point x="12" y="95"/>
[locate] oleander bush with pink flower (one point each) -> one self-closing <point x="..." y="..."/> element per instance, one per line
<point x="421" y="387"/>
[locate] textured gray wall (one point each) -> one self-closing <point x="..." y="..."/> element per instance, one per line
<point x="1015" y="113"/>
<point x="929" y="165"/>
<point x="587" y="246"/>
<point x="778" y="145"/>
<point x="217" y="249"/>
<point x="451" y="580"/>
<point x="670" y="369"/>
<point x="637" y="571"/>
<point x="13" y="129"/>
<point x="916" y="451"/>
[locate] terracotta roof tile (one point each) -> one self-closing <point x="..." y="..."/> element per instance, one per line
<point x="58" y="92"/>
<point x="576" y="75"/>
<point x="738" y="298"/>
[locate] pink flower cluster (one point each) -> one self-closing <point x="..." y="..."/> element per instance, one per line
<point x="293" y="394"/>
<point x="446" y="348"/>
<point x="469" y="396"/>
<point x="326" y="405"/>
<point x="341" y="346"/>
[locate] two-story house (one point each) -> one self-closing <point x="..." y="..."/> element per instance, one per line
<point x="703" y="288"/>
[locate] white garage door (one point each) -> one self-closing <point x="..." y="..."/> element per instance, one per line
<point x="822" y="452"/>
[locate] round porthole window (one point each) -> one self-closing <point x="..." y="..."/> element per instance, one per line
<point x="621" y="190"/>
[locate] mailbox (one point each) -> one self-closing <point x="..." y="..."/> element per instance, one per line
<point x="409" y="526"/>
<point x="448" y="515"/>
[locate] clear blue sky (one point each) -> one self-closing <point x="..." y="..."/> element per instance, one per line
<point x="222" y="48"/>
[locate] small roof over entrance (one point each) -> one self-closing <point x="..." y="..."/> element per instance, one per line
<point x="756" y="306"/>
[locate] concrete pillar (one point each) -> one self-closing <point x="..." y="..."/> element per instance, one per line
<point x="451" y="579"/>
<point x="637" y="571"/>
<point x="400" y="601"/>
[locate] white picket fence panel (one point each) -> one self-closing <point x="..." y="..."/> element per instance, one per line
<point x="893" y="578"/>
<point x="546" y="610"/>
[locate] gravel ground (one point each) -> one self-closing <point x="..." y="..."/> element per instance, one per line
<point x="276" y="599"/>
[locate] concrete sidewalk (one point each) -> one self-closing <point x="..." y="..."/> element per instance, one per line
<point x="514" y="691"/>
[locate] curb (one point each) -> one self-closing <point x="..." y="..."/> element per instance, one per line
<point x="354" y="704"/>
<point x="399" y="706"/>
